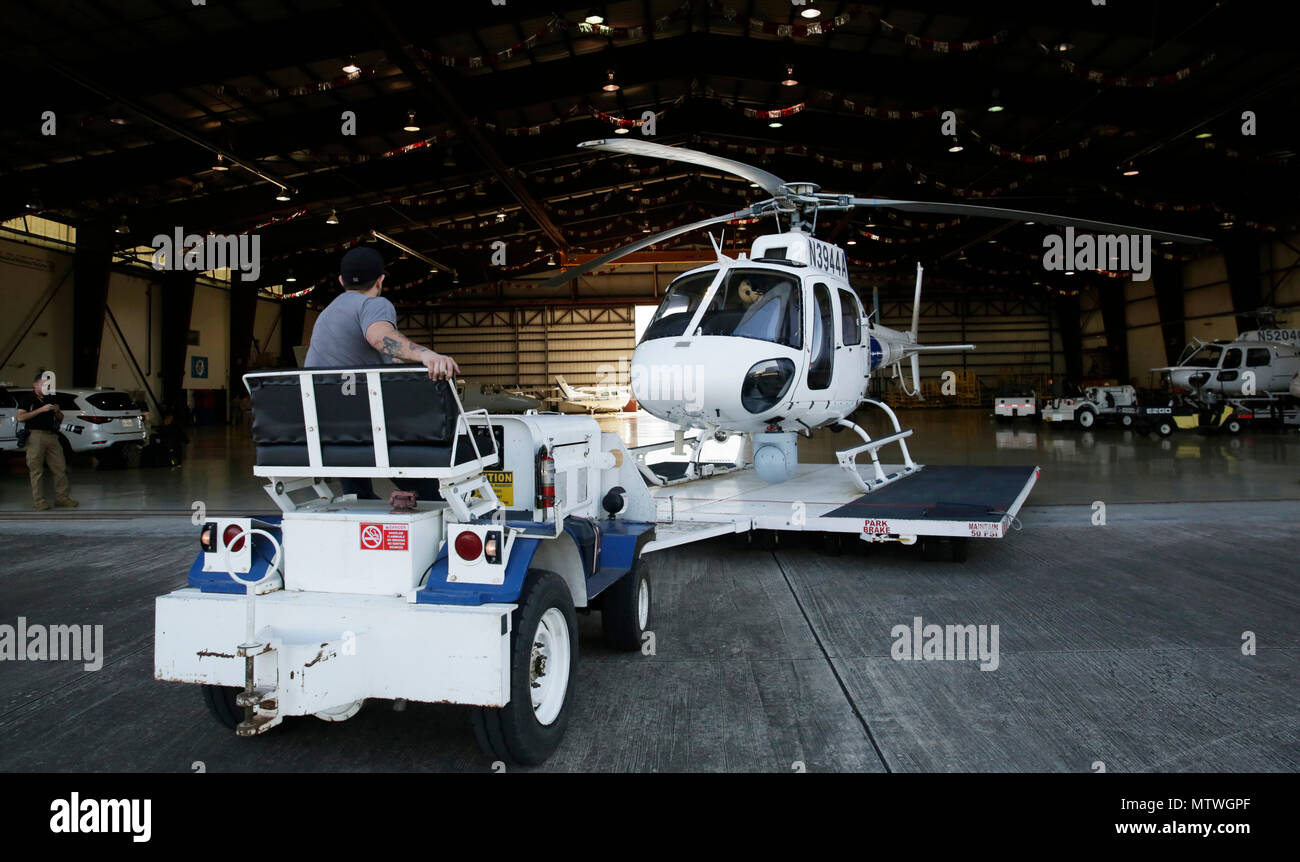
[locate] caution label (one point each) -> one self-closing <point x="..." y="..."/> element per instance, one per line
<point x="384" y="537"/>
<point x="503" y="485"/>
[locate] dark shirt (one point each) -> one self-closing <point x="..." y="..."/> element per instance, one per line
<point x="46" y="421"/>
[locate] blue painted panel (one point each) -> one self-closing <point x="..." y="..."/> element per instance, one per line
<point x="438" y="591"/>
<point x="221" y="582"/>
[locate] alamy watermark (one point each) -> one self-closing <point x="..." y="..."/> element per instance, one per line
<point x="37" y="642"/>
<point x="1109" y="252"/>
<point x="240" y="253"/>
<point x="932" y="642"/>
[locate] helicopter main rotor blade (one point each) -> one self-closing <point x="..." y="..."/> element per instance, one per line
<point x="770" y="183"/>
<point x="1020" y="215"/>
<point x="598" y="262"/>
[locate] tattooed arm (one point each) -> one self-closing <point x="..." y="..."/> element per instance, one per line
<point x="385" y="338"/>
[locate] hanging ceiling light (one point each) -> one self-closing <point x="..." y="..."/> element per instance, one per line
<point x="851" y="242"/>
<point x="1203" y="135"/>
<point x="594" y="18"/>
<point x="1062" y="47"/>
<point x="290" y="278"/>
<point x="610" y="85"/>
<point x="333" y="218"/>
<point x="550" y="261"/>
<point x="220" y="164"/>
<point x="810" y="13"/>
<point x="956" y="148"/>
<point x="122" y="226"/>
<point x="775" y="124"/>
<point x="501" y="216"/>
<point x="1129" y="170"/>
<point x="351" y="66"/>
<point x="538" y="249"/>
<point x="620" y="130"/>
<point x="282" y="194"/>
<point x="410" y="123"/>
<point x="790" y="79"/>
<point x="645" y="227"/>
<point x="479" y="190"/>
<point x="455" y="277"/>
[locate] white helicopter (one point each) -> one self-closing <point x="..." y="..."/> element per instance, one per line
<point x="776" y="343"/>
<point x="1261" y="363"/>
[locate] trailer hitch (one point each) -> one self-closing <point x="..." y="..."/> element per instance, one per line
<point x="260" y="703"/>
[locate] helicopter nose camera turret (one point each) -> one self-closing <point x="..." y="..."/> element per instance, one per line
<point x="776" y="455"/>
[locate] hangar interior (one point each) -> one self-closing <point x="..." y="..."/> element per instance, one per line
<point x="445" y="136"/>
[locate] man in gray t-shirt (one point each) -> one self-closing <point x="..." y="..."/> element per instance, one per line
<point x="360" y="327"/>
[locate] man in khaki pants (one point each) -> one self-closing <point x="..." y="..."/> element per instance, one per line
<point x="42" y="416"/>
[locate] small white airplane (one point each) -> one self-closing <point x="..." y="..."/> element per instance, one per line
<point x="599" y="399"/>
<point x="1261" y="362"/>
<point x="476" y="396"/>
<point x="776" y="343"/>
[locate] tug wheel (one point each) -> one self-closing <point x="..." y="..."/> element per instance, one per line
<point x="1233" y="426"/>
<point x="220" y="700"/>
<point x="625" y="608"/>
<point x="1165" y="427"/>
<point x="1126" y="420"/>
<point x="340" y="713"/>
<point x="1086" y="417"/>
<point x="543" y="668"/>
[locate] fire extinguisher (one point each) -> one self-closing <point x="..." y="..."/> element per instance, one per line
<point x="547" y="470"/>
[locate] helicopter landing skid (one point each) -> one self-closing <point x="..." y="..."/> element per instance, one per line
<point x="848" y="457"/>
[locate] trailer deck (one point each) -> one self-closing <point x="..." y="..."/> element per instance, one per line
<point x="948" y="501"/>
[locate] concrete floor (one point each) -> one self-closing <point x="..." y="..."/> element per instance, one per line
<point x="1119" y="644"/>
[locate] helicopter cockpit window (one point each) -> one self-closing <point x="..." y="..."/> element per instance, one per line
<point x="1233" y="358"/>
<point x="679" y="306"/>
<point x="1257" y="357"/>
<point x="756" y="303"/>
<point x="850" y="311"/>
<point x="1206" y="357"/>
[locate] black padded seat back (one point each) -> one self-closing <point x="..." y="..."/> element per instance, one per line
<point x="419" y="419"/>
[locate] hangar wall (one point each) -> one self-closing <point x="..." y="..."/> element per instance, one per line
<point x="32" y="279"/>
<point x="530" y="346"/>
<point x="1015" y="341"/>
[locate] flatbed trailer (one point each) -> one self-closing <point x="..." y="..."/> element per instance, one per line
<point x="941" y="502"/>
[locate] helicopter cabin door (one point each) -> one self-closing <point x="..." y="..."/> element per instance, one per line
<point x="833" y="375"/>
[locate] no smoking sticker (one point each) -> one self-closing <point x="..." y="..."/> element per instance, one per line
<point x="383" y="537"/>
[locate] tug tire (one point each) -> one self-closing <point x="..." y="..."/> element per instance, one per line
<point x="512" y="733"/>
<point x="220" y="700"/>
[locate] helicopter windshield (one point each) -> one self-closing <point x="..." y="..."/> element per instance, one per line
<point x="762" y="304"/>
<point x="678" y="307"/>
<point x="1206" y="357"/>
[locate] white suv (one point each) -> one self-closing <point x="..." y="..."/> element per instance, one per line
<point x="97" y="420"/>
<point x="9" y="424"/>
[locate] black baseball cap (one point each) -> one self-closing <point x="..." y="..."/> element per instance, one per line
<point x="361" y="265"/>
